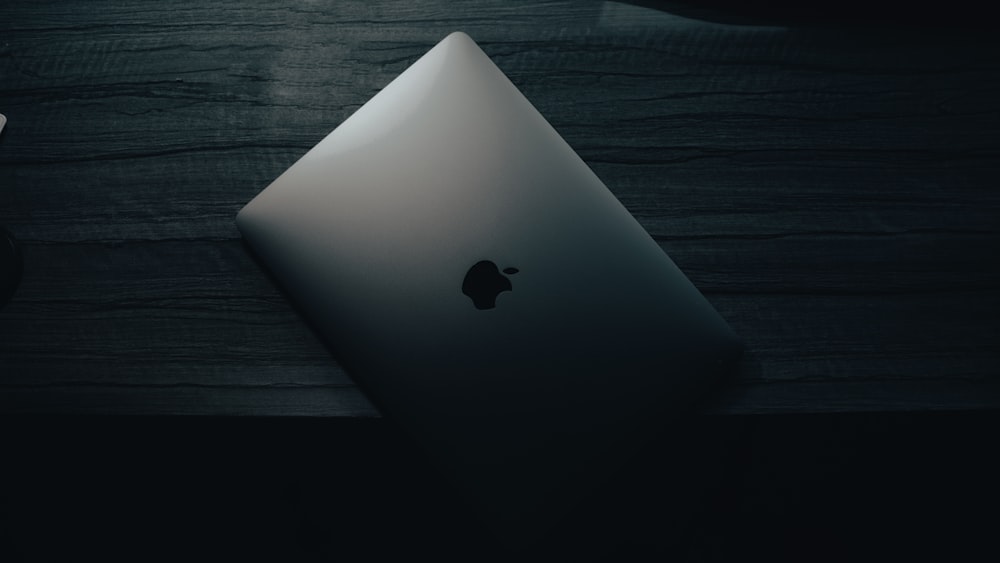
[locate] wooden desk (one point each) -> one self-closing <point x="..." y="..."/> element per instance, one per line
<point x="832" y="190"/>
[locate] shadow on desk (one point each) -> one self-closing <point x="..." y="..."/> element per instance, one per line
<point x="780" y="488"/>
<point x="920" y="13"/>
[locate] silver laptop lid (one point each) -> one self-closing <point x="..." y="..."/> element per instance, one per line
<point x="485" y="288"/>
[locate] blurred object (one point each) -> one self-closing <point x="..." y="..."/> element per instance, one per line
<point x="3" y="121"/>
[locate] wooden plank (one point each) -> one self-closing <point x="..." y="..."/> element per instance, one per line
<point x="700" y="92"/>
<point x="330" y="401"/>
<point x="101" y="319"/>
<point x="197" y="195"/>
<point x="205" y="400"/>
<point x="854" y="396"/>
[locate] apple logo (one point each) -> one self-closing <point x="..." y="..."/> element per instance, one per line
<point x="484" y="282"/>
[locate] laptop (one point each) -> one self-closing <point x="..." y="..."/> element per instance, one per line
<point x="486" y="290"/>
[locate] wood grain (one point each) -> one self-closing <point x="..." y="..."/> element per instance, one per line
<point x="832" y="190"/>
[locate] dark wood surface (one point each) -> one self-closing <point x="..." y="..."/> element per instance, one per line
<point x="831" y="189"/>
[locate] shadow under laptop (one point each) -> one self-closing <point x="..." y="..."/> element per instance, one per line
<point x="383" y="501"/>
<point x="373" y="495"/>
<point x="388" y="499"/>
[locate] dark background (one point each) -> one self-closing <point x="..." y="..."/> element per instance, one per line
<point x="844" y="487"/>
<point x="825" y="174"/>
